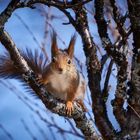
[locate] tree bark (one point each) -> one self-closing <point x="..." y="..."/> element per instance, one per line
<point x="120" y="60"/>
<point x="133" y="127"/>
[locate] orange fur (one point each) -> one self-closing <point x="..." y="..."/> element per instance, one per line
<point x="61" y="77"/>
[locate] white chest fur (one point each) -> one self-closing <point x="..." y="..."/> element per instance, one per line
<point x="59" y="81"/>
<point x="59" y="84"/>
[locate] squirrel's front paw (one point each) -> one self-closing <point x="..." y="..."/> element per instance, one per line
<point x="69" y="108"/>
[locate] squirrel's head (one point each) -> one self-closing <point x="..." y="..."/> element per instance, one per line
<point x="62" y="59"/>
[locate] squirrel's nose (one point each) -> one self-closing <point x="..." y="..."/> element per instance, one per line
<point x="60" y="69"/>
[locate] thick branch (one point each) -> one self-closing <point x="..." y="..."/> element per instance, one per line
<point x="134" y="94"/>
<point x="93" y="68"/>
<point x="51" y="103"/>
<point x="118" y="58"/>
<point x="7" y="12"/>
<point x="102" y="29"/>
<point x="58" y="4"/>
<point x="134" y="7"/>
<point x="119" y="21"/>
<point x="118" y="45"/>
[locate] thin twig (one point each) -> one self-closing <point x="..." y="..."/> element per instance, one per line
<point x="28" y="130"/>
<point x="6" y="132"/>
<point x="134" y="110"/>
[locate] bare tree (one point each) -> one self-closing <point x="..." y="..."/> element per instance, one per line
<point x="109" y="20"/>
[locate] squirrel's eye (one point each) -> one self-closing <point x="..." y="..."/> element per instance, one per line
<point x="53" y="59"/>
<point x="69" y="61"/>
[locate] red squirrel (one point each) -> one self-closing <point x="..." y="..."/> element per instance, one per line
<point x="60" y="77"/>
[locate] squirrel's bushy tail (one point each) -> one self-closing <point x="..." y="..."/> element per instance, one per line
<point x="34" y="59"/>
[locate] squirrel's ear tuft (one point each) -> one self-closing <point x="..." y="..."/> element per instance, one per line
<point x="70" y="49"/>
<point x="54" y="47"/>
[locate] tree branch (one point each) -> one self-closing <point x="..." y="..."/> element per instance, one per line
<point x="119" y="20"/>
<point x="105" y="90"/>
<point x="4" y="16"/>
<point x="133" y="126"/>
<point x="118" y="58"/>
<point x="58" y="4"/>
<point x="93" y="68"/>
<point x="51" y="103"/>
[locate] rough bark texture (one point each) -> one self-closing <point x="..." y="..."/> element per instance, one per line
<point x="119" y="20"/>
<point x="119" y="59"/>
<point x="93" y="68"/>
<point x="133" y="126"/>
